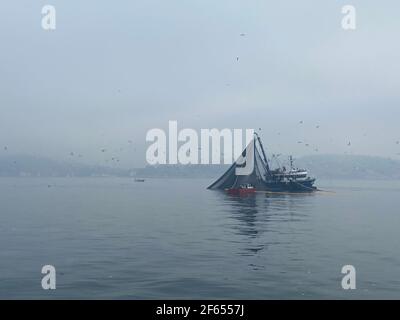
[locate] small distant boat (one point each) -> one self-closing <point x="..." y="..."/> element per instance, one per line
<point x="139" y="180"/>
<point x="242" y="190"/>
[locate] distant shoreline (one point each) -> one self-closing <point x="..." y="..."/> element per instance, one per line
<point x="337" y="167"/>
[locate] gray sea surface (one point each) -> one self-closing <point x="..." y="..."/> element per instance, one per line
<point x="113" y="238"/>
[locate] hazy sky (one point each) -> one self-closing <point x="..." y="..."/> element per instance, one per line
<point x="114" y="69"/>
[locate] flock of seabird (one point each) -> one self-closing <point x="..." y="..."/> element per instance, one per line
<point x="116" y="159"/>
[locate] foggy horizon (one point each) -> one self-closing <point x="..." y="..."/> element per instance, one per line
<point x="109" y="73"/>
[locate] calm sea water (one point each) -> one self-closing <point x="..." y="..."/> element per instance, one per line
<point x="114" y="238"/>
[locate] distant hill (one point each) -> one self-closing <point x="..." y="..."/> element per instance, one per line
<point x="320" y="166"/>
<point x="350" y="167"/>
<point x="182" y="171"/>
<point x="26" y="165"/>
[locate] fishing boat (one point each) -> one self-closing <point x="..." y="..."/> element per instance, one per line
<point x="261" y="176"/>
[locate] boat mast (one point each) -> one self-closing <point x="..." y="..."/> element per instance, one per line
<point x="263" y="153"/>
<point x="291" y="162"/>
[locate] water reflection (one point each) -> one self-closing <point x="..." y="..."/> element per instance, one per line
<point x="260" y="218"/>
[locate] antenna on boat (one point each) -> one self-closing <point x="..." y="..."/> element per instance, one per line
<point x="291" y="162"/>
